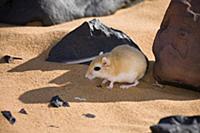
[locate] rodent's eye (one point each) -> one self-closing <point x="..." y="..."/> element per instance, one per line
<point x="97" y="68"/>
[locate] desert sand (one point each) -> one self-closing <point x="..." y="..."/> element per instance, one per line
<point x="32" y="82"/>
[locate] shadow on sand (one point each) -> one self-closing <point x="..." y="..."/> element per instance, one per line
<point x="73" y="84"/>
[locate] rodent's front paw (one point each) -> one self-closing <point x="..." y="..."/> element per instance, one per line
<point x="124" y="87"/>
<point x="110" y="88"/>
<point x="104" y="81"/>
<point x="111" y="85"/>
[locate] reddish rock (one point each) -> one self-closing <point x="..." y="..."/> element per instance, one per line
<point x="177" y="45"/>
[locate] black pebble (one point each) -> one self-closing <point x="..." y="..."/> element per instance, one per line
<point x="88" y="115"/>
<point x="53" y="126"/>
<point x="177" y="124"/>
<point x="8" y="116"/>
<point x="66" y="104"/>
<point x="23" y="111"/>
<point x="56" y="101"/>
<point x="8" y="59"/>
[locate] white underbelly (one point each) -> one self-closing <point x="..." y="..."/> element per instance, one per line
<point x="127" y="77"/>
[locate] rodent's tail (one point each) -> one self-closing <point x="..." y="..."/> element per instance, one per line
<point x="17" y="58"/>
<point x="81" y="61"/>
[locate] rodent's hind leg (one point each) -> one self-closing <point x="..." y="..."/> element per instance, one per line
<point x="130" y="85"/>
<point x="111" y="85"/>
<point x="104" y="81"/>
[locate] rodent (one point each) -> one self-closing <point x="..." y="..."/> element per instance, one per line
<point x="124" y="64"/>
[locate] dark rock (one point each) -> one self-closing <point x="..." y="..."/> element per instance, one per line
<point x="23" y="111"/>
<point x="56" y="101"/>
<point x="88" y="115"/>
<point x="177" y="124"/>
<point x="51" y="12"/>
<point x="10" y="59"/>
<point x="86" y="42"/>
<point x="176" y="46"/>
<point x="53" y="126"/>
<point x="8" y="116"/>
<point x="65" y="104"/>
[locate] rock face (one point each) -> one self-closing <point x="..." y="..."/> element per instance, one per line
<point x="177" y="45"/>
<point x="86" y="42"/>
<point x="51" y="12"/>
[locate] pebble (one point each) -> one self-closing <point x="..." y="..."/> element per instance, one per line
<point x="88" y="115"/>
<point x="9" y="117"/>
<point x="23" y="111"/>
<point x="56" y="101"/>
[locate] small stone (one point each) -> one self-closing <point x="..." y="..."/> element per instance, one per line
<point x="8" y="116"/>
<point x="23" y="111"/>
<point x="66" y="104"/>
<point x="53" y="126"/>
<point x="88" y="115"/>
<point x="177" y="124"/>
<point x="56" y="101"/>
<point x="10" y="59"/>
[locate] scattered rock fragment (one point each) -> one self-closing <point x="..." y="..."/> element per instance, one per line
<point x="56" y="101"/>
<point x="10" y="59"/>
<point x="177" y="124"/>
<point x="8" y="116"/>
<point x="23" y="111"/>
<point x="88" y="115"/>
<point x="53" y="126"/>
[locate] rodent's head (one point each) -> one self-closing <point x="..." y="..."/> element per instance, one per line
<point x="99" y="67"/>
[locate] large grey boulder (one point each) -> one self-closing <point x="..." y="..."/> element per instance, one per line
<point x="50" y="12"/>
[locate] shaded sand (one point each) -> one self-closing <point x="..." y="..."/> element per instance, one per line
<point x="32" y="82"/>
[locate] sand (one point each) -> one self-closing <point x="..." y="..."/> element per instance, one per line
<point x="32" y="82"/>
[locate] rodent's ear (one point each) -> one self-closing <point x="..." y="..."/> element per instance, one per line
<point x="105" y="61"/>
<point x="100" y="53"/>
